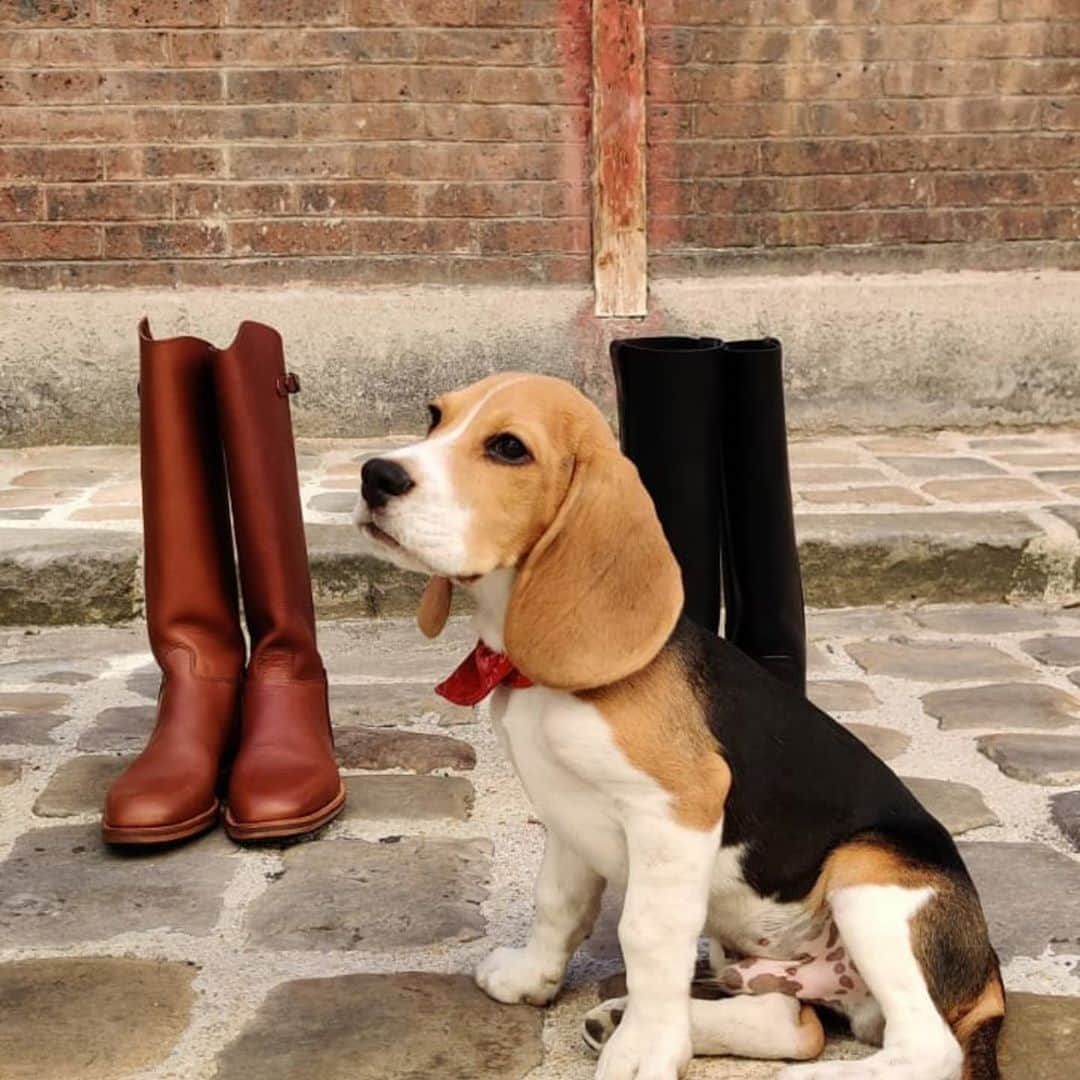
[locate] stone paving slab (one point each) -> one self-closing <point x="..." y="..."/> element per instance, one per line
<point x="385" y="1027"/>
<point x="79" y="785"/>
<point x="1065" y="813"/>
<point x="1039" y="759"/>
<point x="1014" y="705"/>
<point x="61" y="885"/>
<point x="1057" y="650"/>
<point x="90" y="1018"/>
<point x="380" y="797"/>
<point x="1031" y="896"/>
<point x="934" y="662"/>
<point x="1040" y="1037"/>
<point x="393" y="705"/>
<point x="352" y="894"/>
<point x="959" y="807"/>
<point x="382" y="748"/>
<point x="966" y="521"/>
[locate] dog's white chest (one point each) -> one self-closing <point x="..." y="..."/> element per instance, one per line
<point x="552" y="740"/>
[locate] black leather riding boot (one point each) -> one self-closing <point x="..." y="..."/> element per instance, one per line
<point x="704" y="423"/>
<point x="669" y="400"/>
<point x="763" y="595"/>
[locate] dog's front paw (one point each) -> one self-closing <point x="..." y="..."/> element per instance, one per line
<point x="517" y="975"/>
<point x="637" y="1052"/>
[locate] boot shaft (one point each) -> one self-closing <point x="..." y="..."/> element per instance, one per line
<point x="189" y="573"/>
<point x="253" y="388"/>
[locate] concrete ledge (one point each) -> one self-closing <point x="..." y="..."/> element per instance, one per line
<point x="876" y="351"/>
<point x="55" y="576"/>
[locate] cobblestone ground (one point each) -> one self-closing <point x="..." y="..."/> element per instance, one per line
<point x="348" y="955"/>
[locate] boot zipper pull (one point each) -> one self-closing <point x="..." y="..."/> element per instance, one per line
<point x="288" y="384"/>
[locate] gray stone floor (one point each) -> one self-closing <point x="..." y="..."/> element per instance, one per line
<point x="347" y="956"/>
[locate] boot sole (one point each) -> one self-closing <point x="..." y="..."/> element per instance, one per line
<point x="278" y="830"/>
<point x="161" y="834"/>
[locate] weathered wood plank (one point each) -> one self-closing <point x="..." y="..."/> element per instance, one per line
<point x="620" y="254"/>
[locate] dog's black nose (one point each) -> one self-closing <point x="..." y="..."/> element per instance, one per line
<point x="380" y="479"/>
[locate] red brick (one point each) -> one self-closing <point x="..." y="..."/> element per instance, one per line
<point x="288" y="162"/>
<point x="569" y="200"/>
<point x="487" y="123"/>
<point x="450" y="161"/>
<point x="700" y="13"/>
<point x="107" y="202"/>
<point x="943" y="11"/>
<point x="159" y="12"/>
<point x="163" y="240"/>
<point x="489" y="46"/>
<point x="138" y="87"/>
<point x="1061" y="114"/>
<point x="1061" y="187"/>
<point x="985" y="188"/>
<point x="100" y="47"/>
<point x="50" y="241"/>
<point x="357" y="120"/>
<point x="359" y="198"/>
<point x="297" y="85"/>
<point x="804" y="156"/>
<point x="286" y="12"/>
<point x="389" y="82"/>
<point x="51" y="163"/>
<point x="208" y="48"/>
<point x="290" y="237"/>
<point x="385" y="235"/>
<point x="356" y="46"/>
<point x="409" y="13"/>
<point x="530" y="85"/>
<point x="802" y="82"/>
<point x="163" y="162"/>
<point x="38" y="88"/>
<point x="799" y="12"/>
<point x="479" y="200"/>
<point x="20" y="47"/>
<point x="1024" y="10"/>
<point x="939" y="79"/>
<point x="46" y="12"/>
<point x="197" y="200"/>
<point x="20" y="202"/>
<point x="1039" y="77"/>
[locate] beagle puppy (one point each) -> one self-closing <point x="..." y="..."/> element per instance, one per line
<point x="664" y="761"/>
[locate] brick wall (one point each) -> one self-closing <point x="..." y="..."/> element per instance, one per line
<point x="937" y="130"/>
<point x="155" y="142"/>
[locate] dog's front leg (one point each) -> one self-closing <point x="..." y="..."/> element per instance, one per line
<point x="667" y="892"/>
<point x="568" y="893"/>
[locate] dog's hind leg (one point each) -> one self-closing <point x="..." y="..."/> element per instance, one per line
<point x="876" y="925"/>
<point x="767" y="1026"/>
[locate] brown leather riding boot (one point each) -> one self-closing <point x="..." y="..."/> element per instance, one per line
<point x="284" y="780"/>
<point x="170" y="791"/>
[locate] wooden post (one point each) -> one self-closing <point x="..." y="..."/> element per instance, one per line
<point x="618" y="157"/>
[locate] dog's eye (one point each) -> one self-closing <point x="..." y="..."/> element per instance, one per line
<point x="435" y="417"/>
<point x="508" y="449"/>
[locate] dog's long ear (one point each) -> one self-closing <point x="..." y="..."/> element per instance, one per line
<point x="434" y="607"/>
<point x="600" y="592"/>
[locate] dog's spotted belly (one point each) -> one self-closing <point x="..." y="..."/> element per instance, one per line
<point x="820" y="971"/>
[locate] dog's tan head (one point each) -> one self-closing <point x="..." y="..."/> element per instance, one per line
<point x="521" y="473"/>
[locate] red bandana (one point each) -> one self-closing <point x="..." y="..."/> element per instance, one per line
<point x="478" y="674"/>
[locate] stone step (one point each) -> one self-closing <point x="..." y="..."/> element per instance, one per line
<point x="53" y="576"/>
<point x="882" y="519"/>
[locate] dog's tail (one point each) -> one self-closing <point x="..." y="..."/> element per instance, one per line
<point x="978" y="1031"/>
